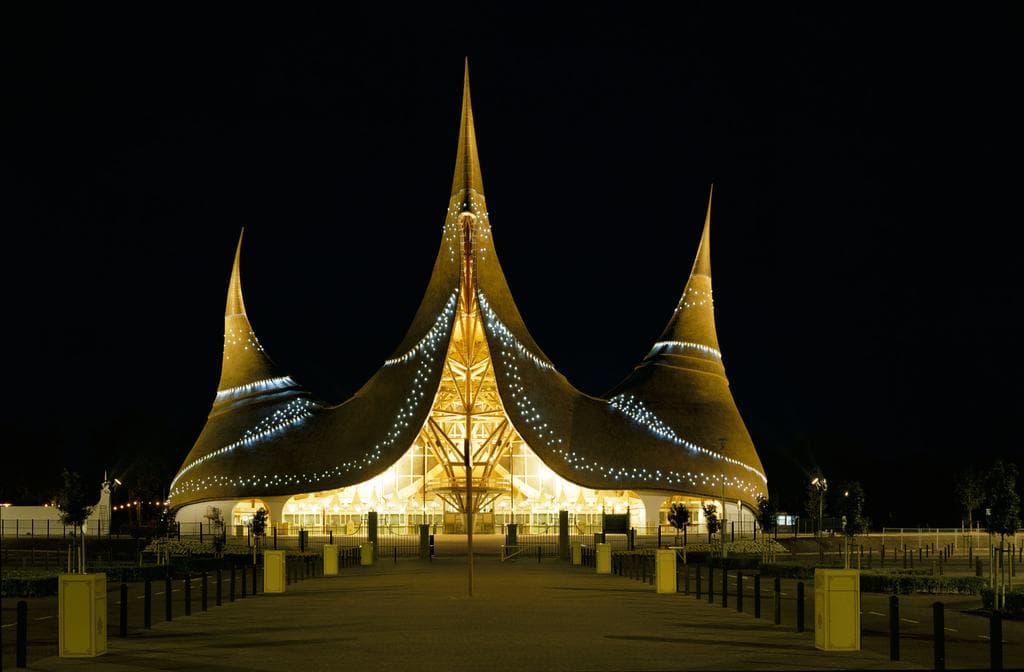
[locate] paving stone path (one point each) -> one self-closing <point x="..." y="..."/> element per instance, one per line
<point x="416" y="616"/>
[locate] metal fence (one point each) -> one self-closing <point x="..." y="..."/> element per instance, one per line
<point x="51" y="529"/>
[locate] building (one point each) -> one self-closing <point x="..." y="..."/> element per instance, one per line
<point x="469" y="378"/>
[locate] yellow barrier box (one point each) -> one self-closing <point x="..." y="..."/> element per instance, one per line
<point x="82" y="615"/>
<point x="665" y="570"/>
<point x="273" y="571"/>
<point x="604" y="558"/>
<point x="366" y="553"/>
<point x="837" y="609"/>
<point x="577" y="554"/>
<point x="330" y="559"/>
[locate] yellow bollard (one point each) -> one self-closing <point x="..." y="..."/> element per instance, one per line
<point x="604" y="558"/>
<point x="273" y="571"/>
<point x="330" y="560"/>
<point x="366" y="553"/>
<point x="82" y="615"/>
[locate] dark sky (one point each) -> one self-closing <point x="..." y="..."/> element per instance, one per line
<point x="866" y="171"/>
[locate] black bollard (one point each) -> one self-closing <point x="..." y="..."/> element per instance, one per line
<point x="231" y="585"/>
<point x="882" y="555"/>
<point x="757" y="595"/>
<point x="800" y="606"/>
<point x="894" y="627"/>
<point x="21" y="637"/>
<point x="739" y="591"/>
<point x="203" y="593"/>
<point x="254" y="573"/>
<point x="244" y="582"/>
<point x="995" y="635"/>
<point x="686" y="579"/>
<point x="698" y="584"/>
<point x="168" y="605"/>
<point x="939" y="635"/>
<point x="538" y="554"/>
<point x="123" y="625"/>
<point x="725" y="587"/>
<point x="778" y="600"/>
<point x="147" y="605"/>
<point x="394" y="550"/>
<point x="217" y="592"/>
<point x="711" y="583"/>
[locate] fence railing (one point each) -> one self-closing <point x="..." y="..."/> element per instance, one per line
<point x="51" y="529"/>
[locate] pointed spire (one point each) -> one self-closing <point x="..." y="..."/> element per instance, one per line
<point x="467" y="163"/>
<point x="691" y="330"/>
<point x="244" y="360"/>
<point x="235" y="305"/>
<point x="702" y="264"/>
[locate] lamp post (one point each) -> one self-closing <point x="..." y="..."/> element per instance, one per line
<point x="822" y="486"/>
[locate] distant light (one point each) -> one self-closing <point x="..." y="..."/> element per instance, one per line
<point x="117" y="481"/>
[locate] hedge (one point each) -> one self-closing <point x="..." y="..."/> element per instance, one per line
<point x="1014" y="607"/>
<point x="801" y="572"/>
<point x="27" y="583"/>
<point x="905" y="584"/>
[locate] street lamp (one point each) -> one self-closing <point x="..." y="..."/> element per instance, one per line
<point x="822" y="485"/>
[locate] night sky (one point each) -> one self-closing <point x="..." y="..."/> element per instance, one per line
<point x="865" y="172"/>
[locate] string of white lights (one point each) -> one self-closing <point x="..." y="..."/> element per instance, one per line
<point x="693" y="297"/>
<point x="264" y="385"/>
<point x="687" y="345"/>
<point x="635" y="409"/>
<point x="293" y="413"/>
<point x="429" y="338"/>
<point x="510" y="348"/>
<point x="235" y="337"/>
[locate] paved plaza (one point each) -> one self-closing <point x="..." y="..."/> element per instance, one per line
<point x="524" y="616"/>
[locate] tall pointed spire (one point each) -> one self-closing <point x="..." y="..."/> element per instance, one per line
<point x="467" y="163"/>
<point x="235" y="305"/>
<point x="244" y="360"/>
<point x="691" y="330"/>
<point x="702" y="264"/>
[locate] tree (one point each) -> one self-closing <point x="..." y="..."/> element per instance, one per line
<point x="1002" y="512"/>
<point x="73" y="503"/>
<point x="678" y="517"/>
<point x="259" y="527"/>
<point x="1002" y="503"/>
<point x="217" y="531"/>
<point x="711" y="519"/>
<point x="970" y="492"/>
<point x="849" y="505"/>
<point x="815" y="504"/>
<point x="767" y="513"/>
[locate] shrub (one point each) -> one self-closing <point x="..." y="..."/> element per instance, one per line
<point x="801" y="572"/>
<point x="1014" y="602"/>
<point x="905" y="584"/>
<point x="27" y="583"/>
